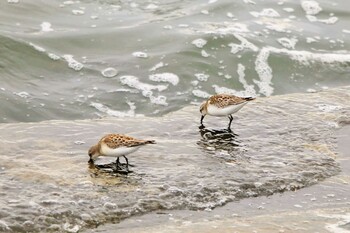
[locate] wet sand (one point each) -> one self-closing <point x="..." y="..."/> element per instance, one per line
<point x="324" y="207"/>
<point x="189" y="181"/>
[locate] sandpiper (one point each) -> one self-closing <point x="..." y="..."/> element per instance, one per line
<point x="116" y="145"/>
<point x="223" y="105"/>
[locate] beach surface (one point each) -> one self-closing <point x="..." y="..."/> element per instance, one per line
<point x="284" y="163"/>
<point x="322" y="208"/>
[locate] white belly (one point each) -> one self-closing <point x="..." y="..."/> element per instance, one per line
<point x="117" y="152"/>
<point x="215" y="111"/>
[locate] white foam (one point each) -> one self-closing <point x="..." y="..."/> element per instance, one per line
<point x="157" y="66"/>
<point x="134" y="82"/>
<point x="13" y="1"/>
<point x="78" y="12"/>
<point x="245" y="44"/>
<point x="267" y="12"/>
<point x="46" y="27"/>
<point x="311" y="7"/>
<point x="53" y="56"/>
<point x="280" y="25"/>
<point x="146" y="89"/>
<point x="202" y="77"/>
<point x="249" y="2"/>
<point x="22" y="94"/>
<point x="168" y="27"/>
<point x="68" y="2"/>
<point x="225" y="29"/>
<point x="311" y="90"/>
<point x="328" y="108"/>
<point x="204" y="53"/>
<point x="165" y="77"/>
<point x="140" y="54"/>
<point x="151" y="6"/>
<point x="194" y="83"/>
<point x="288" y="43"/>
<point x="122" y="90"/>
<point x="331" y="20"/>
<point x="265" y="72"/>
<point x="38" y="48"/>
<point x="160" y="100"/>
<point x="109" y="72"/>
<point x="102" y="108"/>
<point x="310" y="40"/>
<point x="249" y="89"/>
<point x="71" y="228"/>
<point x="289" y="10"/>
<point x="199" y="43"/>
<point x="201" y="94"/>
<point x="182" y="25"/>
<point x="305" y="57"/>
<point x="72" y="63"/>
<point x="230" y="15"/>
<point x="346" y="31"/>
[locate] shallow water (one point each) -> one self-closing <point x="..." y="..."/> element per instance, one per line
<point x="87" y="59"/>
<point x="322" y="208"/>
<point x="279" y="143"/>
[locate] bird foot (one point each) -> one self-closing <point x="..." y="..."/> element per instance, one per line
<point x="122" y="168"/>
<point x="124" y="165"/>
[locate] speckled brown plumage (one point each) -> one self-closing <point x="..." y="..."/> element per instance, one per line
<point x="224" y="100"/>
<point x="118" y="140"/>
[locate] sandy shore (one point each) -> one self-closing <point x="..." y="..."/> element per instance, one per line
<point x="281" y="143"/>
<point x="324" y="207"/>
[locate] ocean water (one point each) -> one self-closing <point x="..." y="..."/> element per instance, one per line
<point x="89" y="59"/>
<point x="72" y="71"/>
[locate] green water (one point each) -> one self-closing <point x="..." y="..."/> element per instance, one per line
<point x="54" y="54"/>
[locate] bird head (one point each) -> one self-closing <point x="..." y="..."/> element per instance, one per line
<point x="93" y="153"/>
<point x="203" y="108"/>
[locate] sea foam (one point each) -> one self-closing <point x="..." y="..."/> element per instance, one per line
<point x="165" y="77"/>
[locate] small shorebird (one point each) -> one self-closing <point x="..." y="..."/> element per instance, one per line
<point x="223" y="105"/>
<point x="116" y="145"/>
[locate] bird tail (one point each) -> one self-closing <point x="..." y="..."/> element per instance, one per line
<point x="249" y="98"/>
<point x="141" y="143"/>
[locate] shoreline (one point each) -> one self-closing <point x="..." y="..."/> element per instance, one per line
<point x="291" y="147"/>
<point x="323" y="207"/>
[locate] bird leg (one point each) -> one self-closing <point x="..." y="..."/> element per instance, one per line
<point x="127" y="163"/>
<point x="229" y="124"/>
<point x="117" y="164"/>
<point x="202" y="120"/>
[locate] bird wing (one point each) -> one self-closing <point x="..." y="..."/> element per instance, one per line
<point x="224" y="100"/>
<point x="119" y="140"/>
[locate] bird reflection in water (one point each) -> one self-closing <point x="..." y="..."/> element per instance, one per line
<point x="109" y="168"/>
<point x="223" y="144"/>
